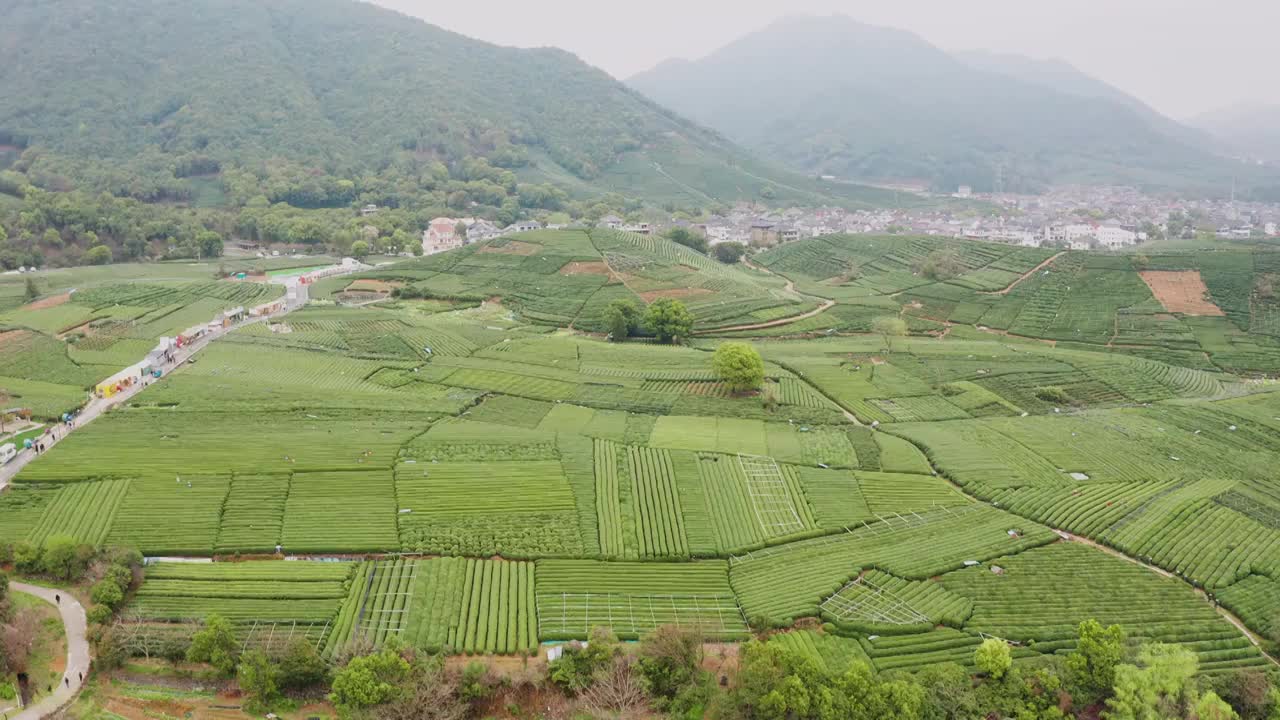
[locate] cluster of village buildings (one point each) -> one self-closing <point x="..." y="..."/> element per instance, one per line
<point x="1079" y="218"/>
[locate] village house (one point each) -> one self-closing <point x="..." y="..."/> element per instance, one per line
<point x="368" y="210"/>
<point x="1111" y="236"/>
<point x="482" y="230"/>
<point x="641" y="228"/>
<point x="441" y="235"/>
<point x="612" y="222"/>
<point x="764" y="233"/>
<point x="522" y="226"/>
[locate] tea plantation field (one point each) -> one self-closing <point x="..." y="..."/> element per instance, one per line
<point x="86" y="324"/>
<point x="481" y="472"/>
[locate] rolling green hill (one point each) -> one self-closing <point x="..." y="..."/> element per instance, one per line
<point x="1203" y="310"/>
<point x="568" y="278"/>
<point x="830" y="95"/>
<point x="321" y="103"/>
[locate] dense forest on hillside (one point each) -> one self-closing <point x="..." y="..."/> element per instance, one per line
<point x="323" y="105"/>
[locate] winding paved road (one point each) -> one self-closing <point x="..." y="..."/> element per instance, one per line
<point x="73" y="619"/>
<point x="97" y="406"/>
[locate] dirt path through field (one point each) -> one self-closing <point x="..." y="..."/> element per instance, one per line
<point x="1231" y="617"/>
<point x="791" y="288"/>
<point x="1072" y="537"/>
<point x="825" y="306"/>
<point x="1025" y="275"/>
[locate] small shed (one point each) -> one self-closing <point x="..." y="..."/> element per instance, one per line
<point x="232" y="316"/>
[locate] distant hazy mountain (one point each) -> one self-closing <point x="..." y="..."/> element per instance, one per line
<point x="1248" y="130"/>
<point x="1062" y="76"/>
<point x="831" y="95"/>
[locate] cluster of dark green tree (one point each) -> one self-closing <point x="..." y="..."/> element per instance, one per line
<point x="728" y="253"/>
<point x="110" y="572"/>
<point x="665" y="319"/>
<point x="77" y="228"/>
<point x="1105" y="676"/>
<point x="667" y="674"/>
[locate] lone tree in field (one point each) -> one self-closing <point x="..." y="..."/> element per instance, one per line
<point x="942" y="264"/>
<point x="889" y="327"/>
<point x="669" y="320"/>
<point x="739" y="366"/>
<point x="1092" y="667"/>
<point x="623" y="319"/>
<point x="215" y="644"/>
<point x="730" y="253"/>
<point x="993" y="658"/>
<point x="98" y="255"/>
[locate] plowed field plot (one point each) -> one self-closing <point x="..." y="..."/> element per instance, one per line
<point x="586" y="268"/>
<point x="1181" y="291"/>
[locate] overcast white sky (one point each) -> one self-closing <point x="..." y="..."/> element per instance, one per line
<point x="1181" y="56"/>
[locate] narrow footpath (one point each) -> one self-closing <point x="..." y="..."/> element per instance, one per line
<point x="73" y="619"/>
<point x="1025" y="275"/>
<point x="826" y="305"/>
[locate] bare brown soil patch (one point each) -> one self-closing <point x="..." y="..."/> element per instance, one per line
<point x="586" y="268"/>
<point x="13" y="336"/>
<point x="1181" y="291"/>
<point x="512" y="247"/>
<point x="138" y="709"/>
<point x="51" y="301"/>
<point x="676" y="293"/>
<point x="720" y="659"/>
<point x="375" y="286"/>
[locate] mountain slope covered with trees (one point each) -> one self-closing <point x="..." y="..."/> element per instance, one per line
<point x="320" y="103"/>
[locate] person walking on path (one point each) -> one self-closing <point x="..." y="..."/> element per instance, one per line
<point x="77" y="657"/>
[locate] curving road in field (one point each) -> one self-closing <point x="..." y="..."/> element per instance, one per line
<point x="73" y="619"/>
<point x="97" y="406"/>
<point x="826" y="305"/>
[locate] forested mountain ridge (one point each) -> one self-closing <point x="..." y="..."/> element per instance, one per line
<point x="319" y="103"/>
<point x="860" y="101"/>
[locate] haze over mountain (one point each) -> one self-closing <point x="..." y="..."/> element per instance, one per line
<point x="317" y="98"/>
<point x="831" y="95"/>
<point x="1250" y="130"/>
<point x="1061" y="76"/>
